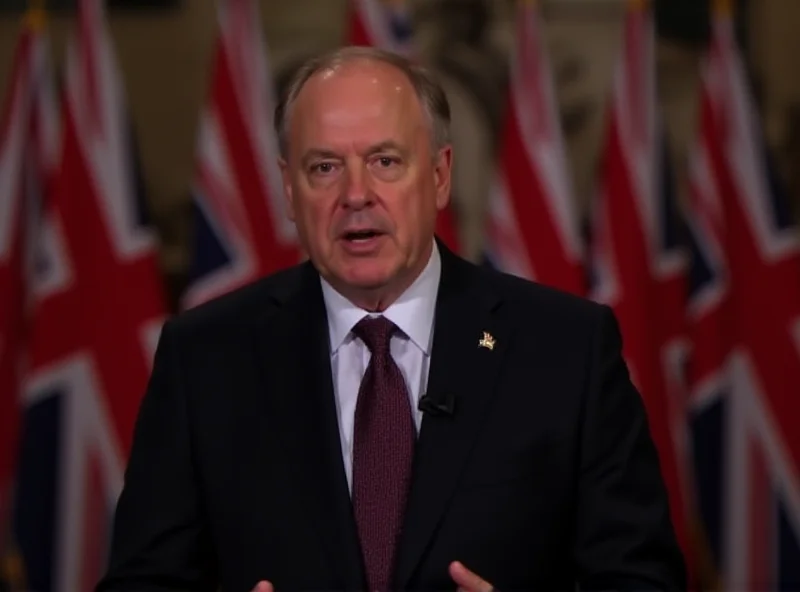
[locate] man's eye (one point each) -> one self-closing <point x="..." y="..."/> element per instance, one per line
<point x="387" y="161"/>
<point x="322" y="167"/>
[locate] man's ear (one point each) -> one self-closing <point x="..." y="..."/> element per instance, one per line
<point x="288" y="195"/>
<point x="442" y="172"/>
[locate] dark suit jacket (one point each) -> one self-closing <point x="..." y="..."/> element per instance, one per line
<point x="545" y="475"/>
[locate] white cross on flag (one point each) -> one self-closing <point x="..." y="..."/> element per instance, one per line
<point x="97" y="313"/>
<point x="639" y="264"/>
<point x="744" y="321"/>
<point x="241" y="229"/>
<point x="29" y="141"/>
<point x="532" y="226"/>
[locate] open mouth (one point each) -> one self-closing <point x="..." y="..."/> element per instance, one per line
<point x="361" y="235"/>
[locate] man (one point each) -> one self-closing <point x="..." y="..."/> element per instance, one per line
<point x="387" y="415"/>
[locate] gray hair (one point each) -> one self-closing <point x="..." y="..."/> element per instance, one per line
<point x="429" y="92"/>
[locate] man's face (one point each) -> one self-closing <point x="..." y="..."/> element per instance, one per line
<point x="362" y="182"/>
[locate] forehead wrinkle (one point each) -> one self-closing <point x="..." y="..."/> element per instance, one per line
<point x="321" y="99"/>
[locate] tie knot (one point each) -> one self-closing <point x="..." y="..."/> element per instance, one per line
<point x="375" y="332"/>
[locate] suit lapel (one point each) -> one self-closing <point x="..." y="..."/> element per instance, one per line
<point x="294" y="343"/>
<point x="466" y="309"/>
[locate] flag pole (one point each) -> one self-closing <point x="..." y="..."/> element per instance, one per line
<point x="637" y="5"/>
<point x="723" y="8"/>
<point x="36" y="15"/>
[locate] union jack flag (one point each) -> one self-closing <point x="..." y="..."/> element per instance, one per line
<point x="386" y="25"/>
<point x="532" y="226"/>
<point x="377" y="23"/>
<point x="97" y="312"/>
<point x="241" y="228"/>
<point x="639" y="263"/>
<point x="28" y="154"/>
<point x="744" y="319"/>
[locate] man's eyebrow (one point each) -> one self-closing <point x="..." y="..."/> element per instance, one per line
<point x="323" y="153"/>
<point x="386" y="146"/>
<point x="318" y="153"/>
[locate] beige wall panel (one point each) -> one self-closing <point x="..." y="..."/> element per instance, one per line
<point x="583" y="52"/>
<point x="775" y="47"/>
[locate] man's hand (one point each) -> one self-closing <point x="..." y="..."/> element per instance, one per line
<point x="466" y="580"/>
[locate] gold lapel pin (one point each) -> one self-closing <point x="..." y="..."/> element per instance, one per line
<point x="487" y="341"/>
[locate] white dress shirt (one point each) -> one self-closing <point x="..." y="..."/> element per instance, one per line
<point x="410" y="347"/>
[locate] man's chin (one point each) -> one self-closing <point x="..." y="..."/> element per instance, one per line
<point x="369" y="287"/>
<point x="368" y="283"/>
<point x="369" y="273"/>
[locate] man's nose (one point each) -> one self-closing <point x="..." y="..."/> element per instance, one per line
<point x="356" y="193"/>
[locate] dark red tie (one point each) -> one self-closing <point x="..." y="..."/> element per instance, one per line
<point x="384" y="436"/>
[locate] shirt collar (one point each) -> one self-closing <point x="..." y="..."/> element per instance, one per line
<point x="412" y="312"/>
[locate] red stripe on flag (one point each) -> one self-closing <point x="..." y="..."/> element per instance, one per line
<point x="762" y="282"/>
<point x="551" y="263"/>
<point x="82" y="319"/>
<point x="358" y="33"/>
<point x="273" y="255"/>
<point x="649" y="299"/>
<point x="16" y="152"/>
<point x="648" y="321"/>
<point x="762" y="518"/>
<point x="446" y="229"/>
<point x="95" y="524"/>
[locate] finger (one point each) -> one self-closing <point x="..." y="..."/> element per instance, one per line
<point x="467" y="580"/>
<point x="263" y="586"/>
